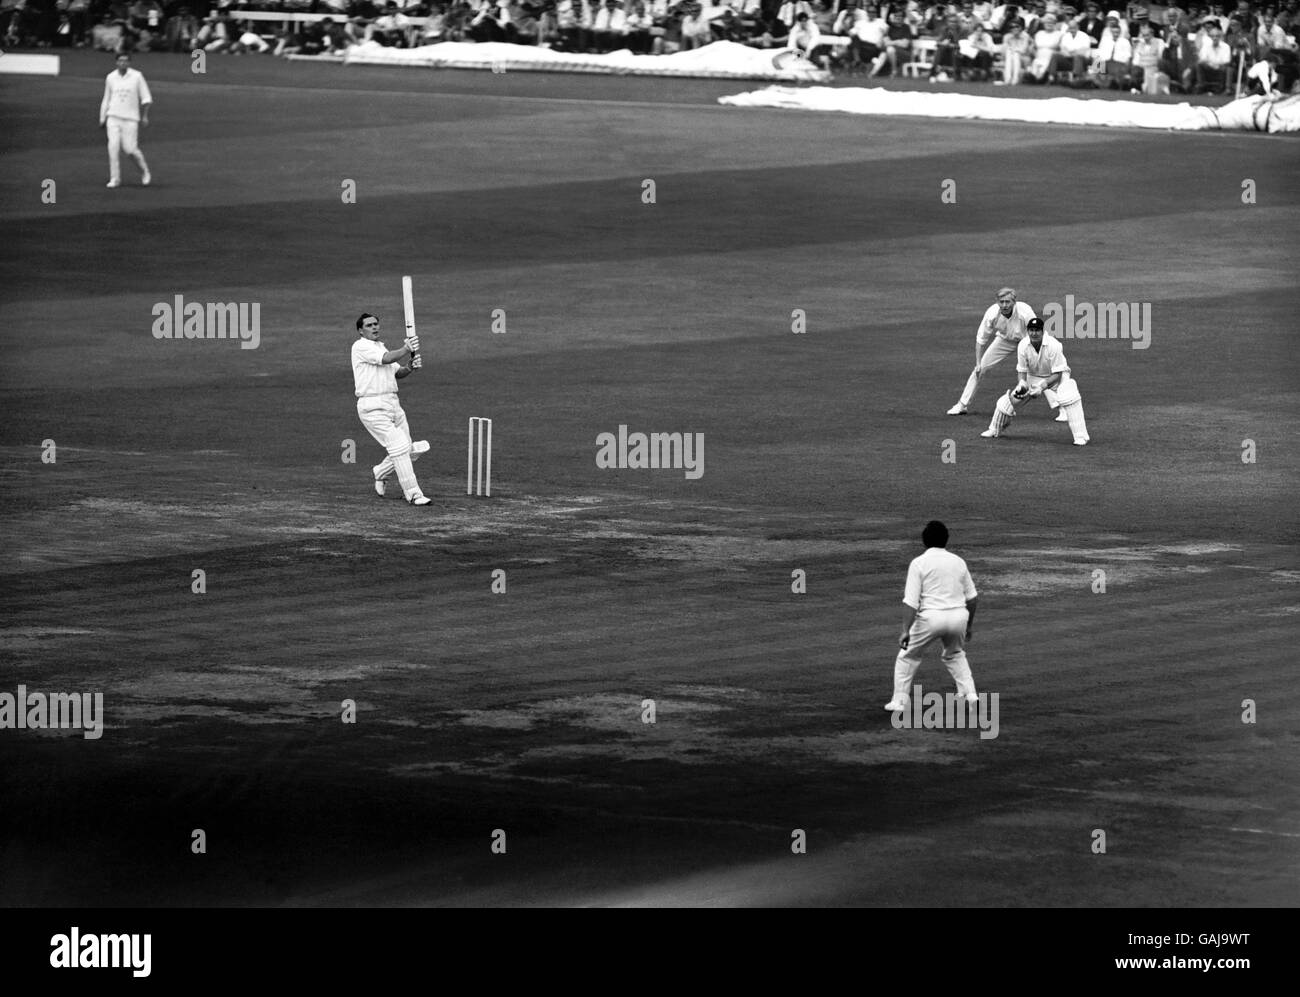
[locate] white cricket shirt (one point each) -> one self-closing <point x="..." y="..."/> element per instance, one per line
<point x="1039" y="364"/>
<point x="123" y="95"/>
<point x="369" y="372"/>
<point x="1011" y="327"/>
<point x="938" y="580"/>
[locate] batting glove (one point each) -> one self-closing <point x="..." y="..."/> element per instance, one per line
<point x="412" y="343"/>
<point x="417" y="362"/>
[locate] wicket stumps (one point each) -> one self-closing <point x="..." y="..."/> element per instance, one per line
<point x="479" y="472"/>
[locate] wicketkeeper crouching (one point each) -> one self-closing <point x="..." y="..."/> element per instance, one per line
<point x="1041" y="364"/>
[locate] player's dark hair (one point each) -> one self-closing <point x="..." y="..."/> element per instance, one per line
<point x="362" y="319"/>
<point x="935" y="534"/>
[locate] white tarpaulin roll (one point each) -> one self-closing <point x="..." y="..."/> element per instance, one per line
<point x="722" y="60"/>
<point x="1265" y="114"/>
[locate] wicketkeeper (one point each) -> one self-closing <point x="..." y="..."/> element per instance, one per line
<point x="1041" y="364"/>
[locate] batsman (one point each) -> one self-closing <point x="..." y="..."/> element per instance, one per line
<point x="375" y="373"/>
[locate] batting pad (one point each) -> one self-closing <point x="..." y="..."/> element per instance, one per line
<point x="1003" y="412"/>
<point x="406" y="475"/>
<point x="1074" y="413"/>
<point x="1068" y="391"/>
<point x="385" y="467"/>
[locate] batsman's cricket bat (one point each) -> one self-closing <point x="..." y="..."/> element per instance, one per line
<point x="408" y="305"/>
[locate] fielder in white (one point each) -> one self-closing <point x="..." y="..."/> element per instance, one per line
<point x="941" y="599"/>
<point x="1000" y="330"/>
<point x="375" y="371"/>
<point x="1041" y="364"/>
<point x="123" y="110"/>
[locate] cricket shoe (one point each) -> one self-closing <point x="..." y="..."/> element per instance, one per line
<point x="147" y="179"/>
<point x="990" y="434"/>
<point x="1080" y="443"/>
<point x="113" y="183"/>
<point x="958" y="409"/>
<point x="1062" y="417"/>
<point x="893" y="706"/>
<point x="419" y="498"/>
<point x="379" y="487"/>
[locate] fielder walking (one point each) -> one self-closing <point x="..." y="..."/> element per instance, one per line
<point x="1041" y="364"/>
<point x="1000" y="330"/>
<point x="375" y="371"/>
<point x="124" y="109"/>
<point x="940" y="599"/>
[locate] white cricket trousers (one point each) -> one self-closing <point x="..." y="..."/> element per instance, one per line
<point x="383" y="417"/>
<point x="994" y="354"/>
<point x="947" y="626"/>
<point x="123" y="136"/>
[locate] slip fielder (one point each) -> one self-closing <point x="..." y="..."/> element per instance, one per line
<point x="375" y="372"/>
<point x="124" y="109"/>
<point x="1000" y="330"/>
<point x="1041" y="363"/>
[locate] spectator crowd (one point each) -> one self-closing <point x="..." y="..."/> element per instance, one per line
<point x="1191" y="48"/>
